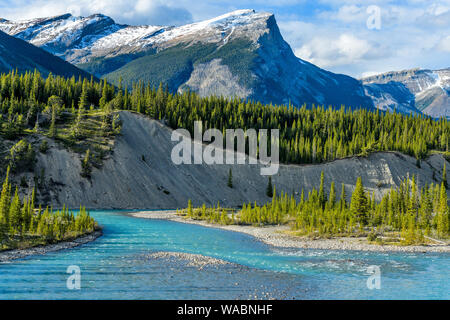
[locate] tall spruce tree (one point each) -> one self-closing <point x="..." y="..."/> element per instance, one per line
<point x="269" y="189"/>
<point x="444" y="175"/>
<point x="322" y="196"/>
<point x="359" y="203"/>
<point x="230" y="179"/>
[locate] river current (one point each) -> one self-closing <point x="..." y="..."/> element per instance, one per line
<point x="118" y="265"/>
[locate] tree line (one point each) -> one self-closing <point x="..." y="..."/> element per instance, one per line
<point x="405" y="210"/>
<point x="22" y="224"/>
<point x="313" y="135"/>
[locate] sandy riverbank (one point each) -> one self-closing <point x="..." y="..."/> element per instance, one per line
<point x="14" y="254"/>
<point x="272" y="235"/>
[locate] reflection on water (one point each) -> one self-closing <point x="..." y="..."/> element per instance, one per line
<point x="117" y="266"/>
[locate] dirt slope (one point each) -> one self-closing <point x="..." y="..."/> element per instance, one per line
<point x="126" y="181"/>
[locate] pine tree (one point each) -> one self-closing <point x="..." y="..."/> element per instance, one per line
<point x="269" y="189"/>
<point x="442" y="227"/>
<point x="359" y="204"/>
<point x="52" y="130"/>
<point x="444" y="175"/>
<point x="190" y="213"/>
<point x="322" y="196"/>
<point x="343" y="200"/>
<point x="5" y="200"/>
<point x="15" y="213"/>
<point x="332" y="197"/>
<point x="86" y="167"/>
<point x="230" y="179"/>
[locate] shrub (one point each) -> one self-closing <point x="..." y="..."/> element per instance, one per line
<point x="21" y="156"/>
<point x="43" y="148"/>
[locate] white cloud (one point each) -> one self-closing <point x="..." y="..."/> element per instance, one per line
<point x="329" y="51"/>
<point x="157" y="12"/>
<point x="413" y="33"/>
<point x="444" y="44"/>
<point x="346" y="14"/>
<point x="330" y="33"/>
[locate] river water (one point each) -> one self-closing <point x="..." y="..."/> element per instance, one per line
<point x="118" y="266"/>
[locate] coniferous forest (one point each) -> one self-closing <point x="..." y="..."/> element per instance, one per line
<point x="307" y="135"/>
<point x="23" y="225"/>
<point x="405" y="214"/>
<point x="314" y="135"/>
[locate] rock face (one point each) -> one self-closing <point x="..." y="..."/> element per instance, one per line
<point x="16" y="54"/>
<point x="245" y="43"/>
<point x="411" y="91"/>
<point x="215" y="78"/>
<point x="126" y="181"/>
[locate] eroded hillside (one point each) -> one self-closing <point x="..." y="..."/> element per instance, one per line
<point x="140" y="174"/>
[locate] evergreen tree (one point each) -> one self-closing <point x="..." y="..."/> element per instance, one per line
<point x="359" y="204"/>
<point x="15" y="213"/>
<point x="343" y="200"/>
<point x="322" y="196"/>
<point x="52" y="130"/>
<point x="230" y="179"/>
<point x="189" y="209"/>
<point x="443" y="214"/>
<point x="269" y="189"/>
<point x="444" y="175"/>
<point x="86" y="167"/>
<point x="5" y="200"/>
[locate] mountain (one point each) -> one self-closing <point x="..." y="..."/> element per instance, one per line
<point x="415" y="90"/>
<point x="20" y="55"/>
<point x="241" y="53"/>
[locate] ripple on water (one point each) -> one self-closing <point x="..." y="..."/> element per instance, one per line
<point x="122" y="265"/>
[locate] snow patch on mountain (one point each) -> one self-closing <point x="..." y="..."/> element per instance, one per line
<point x="254" y="57"/>
<point x="411" y="91"/>
<point x="85" y="38"/>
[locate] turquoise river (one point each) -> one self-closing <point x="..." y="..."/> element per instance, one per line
<point x="118" y="266"/>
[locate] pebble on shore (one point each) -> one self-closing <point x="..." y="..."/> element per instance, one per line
<point x="191" y="260"/>
<point x="272" y="235"/>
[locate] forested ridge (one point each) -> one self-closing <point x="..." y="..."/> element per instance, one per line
<point x="80" y="113"/>
<point x="306" y="135"/>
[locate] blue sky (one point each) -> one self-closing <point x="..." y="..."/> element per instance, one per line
<point x="333" y="34"/>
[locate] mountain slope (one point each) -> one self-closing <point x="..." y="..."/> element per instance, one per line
<point x="413" y="90"/>
<point x="126" y="181"/>
<point x="238" y="54"/>
<point x="20" y="55"/>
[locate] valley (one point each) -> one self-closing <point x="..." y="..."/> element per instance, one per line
<point x="93" y="114"/>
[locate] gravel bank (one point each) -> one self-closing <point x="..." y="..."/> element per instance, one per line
<point x="189" y="259"/>
<point x="271" y="235"/>
<point x="22" y="253"/>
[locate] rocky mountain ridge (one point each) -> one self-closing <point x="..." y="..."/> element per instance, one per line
<point x="241" y="53"/>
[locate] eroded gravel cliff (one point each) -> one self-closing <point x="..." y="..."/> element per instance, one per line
<point x="126" y="181"/>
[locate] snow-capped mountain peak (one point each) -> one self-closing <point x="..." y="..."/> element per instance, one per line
<point x="80" y="39"/>
<point x="241" y="53"/>
<point x="414" y="90"/>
